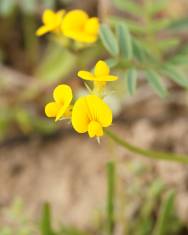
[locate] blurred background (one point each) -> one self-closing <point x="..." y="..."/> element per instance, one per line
<point x="45" y="166"/>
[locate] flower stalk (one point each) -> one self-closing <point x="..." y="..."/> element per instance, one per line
<point x="157" y="155"/>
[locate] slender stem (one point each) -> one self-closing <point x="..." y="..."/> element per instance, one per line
<point x="110" y="196"/>
<point x="148" y="153"/>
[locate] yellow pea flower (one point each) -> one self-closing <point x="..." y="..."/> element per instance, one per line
<point x="52" y="22"/>
<point x="90" y="114"/>
<point x="61" y="106"/>
<point x="101" y="73"/>
<point x="78" y="26"/>
<point x="100" y="76"/>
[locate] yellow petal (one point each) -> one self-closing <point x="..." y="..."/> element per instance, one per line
<point x="61" y="13"/>
<point x="58" y="20"/>
<point x="87" y="38"/>
<point x="48" y="17"/>
<point x="99" y="110"/>
<point x="92" y="26"/>
<point x="81" y="36"/>
<point x="74" y="22"/>
<point x="86" y="75"/>
<point x="101" y="69"/>
<point x="77" y="26"/>
<point x="108" y="78"/>
<point x="80" y="115"/>
<point x="51" y="109"/>
<point x="52" y="20"/>
<point x="63" y="94"/>
<point x="95" y="129"/>
<point x="91" y="108"/>
<point x="61" y="112"/>
<point x="42" y="30"/>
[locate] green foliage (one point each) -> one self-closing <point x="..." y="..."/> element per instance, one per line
<point x="109" y="40"/>
<point x="45" y="225"/>
<point x="175" y="75"/>
<point x="124" y="41"/>
<point x="136" y="44"/>
<point x="156" y="84"/>
<point x="142" y="49"/>
<point x="132" y="77"/>
<point x="142" y="42"/>
<point x="164" y="214"/>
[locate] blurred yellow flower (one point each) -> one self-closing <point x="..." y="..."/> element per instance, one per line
<point x="52" y="22"/>
<point x="101" y="73"/>
<point x="61" y="106"/>
<point x="78" y="26"/>
<point x="100" y="76"/>
<point x="90" y="114"/>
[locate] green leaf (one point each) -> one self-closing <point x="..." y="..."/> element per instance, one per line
<point x="155" y="82"/>
<point x="108" y="40"/>
<point x="164" y="214"/>
<point x="142" y="53"/>
<point x="124" y="40"/>
<point x="45" y="225"/>
<point x="138" y="50"/>
<point x="132" y="80"/>
<point x="150" y="57"/>
<point x="175" y="75"/>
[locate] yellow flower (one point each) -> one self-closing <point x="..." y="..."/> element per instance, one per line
<point x="90" y="114"/>
<point x="78" y="26"/>
<point x="100" y="76"/>
<point x="61" y="106"/>
<point x="101" y="73"/>
<point x="52" y="22"/>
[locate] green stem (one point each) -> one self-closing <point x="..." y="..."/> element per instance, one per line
<point x="110" y="196"/>
<point x="148" y="153"/>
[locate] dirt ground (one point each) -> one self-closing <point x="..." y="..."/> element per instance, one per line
<point x="69" y="170"/>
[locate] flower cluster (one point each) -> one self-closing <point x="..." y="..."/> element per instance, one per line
<point x="89" y="113"/>
<point x="75" y="24"/>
